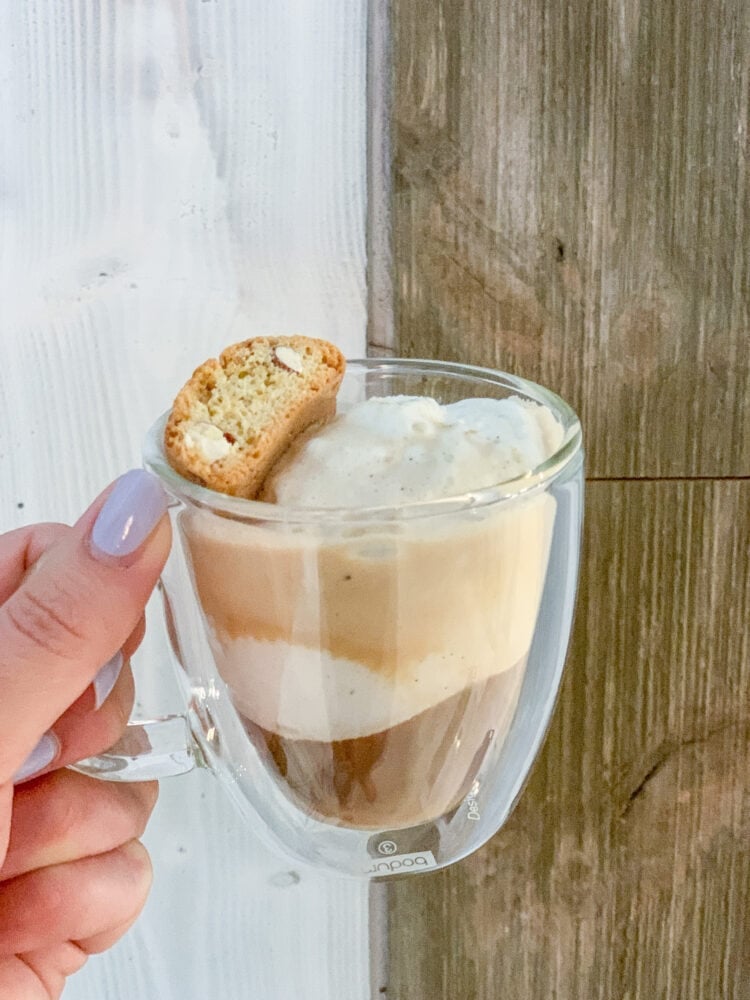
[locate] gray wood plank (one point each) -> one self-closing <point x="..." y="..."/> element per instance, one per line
<point x="571" y="202"/>
<point x="625" y="870"/>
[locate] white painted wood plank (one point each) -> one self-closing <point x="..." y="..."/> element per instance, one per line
<point x="175" y="176"/>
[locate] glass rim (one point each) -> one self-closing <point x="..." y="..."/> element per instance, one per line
<point x="505" y="491"/>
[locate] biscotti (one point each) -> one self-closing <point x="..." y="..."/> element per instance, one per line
<point x="237" y="415"/>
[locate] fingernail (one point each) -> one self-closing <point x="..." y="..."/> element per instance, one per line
<point x="40" y="757"/>
<point x="130" y="514"/>
<point x="106" y="679"/>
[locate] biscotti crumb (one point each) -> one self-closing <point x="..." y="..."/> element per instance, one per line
<point x="236" y="416"/>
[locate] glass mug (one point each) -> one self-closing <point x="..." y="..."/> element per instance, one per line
<point x="371" y="686"/>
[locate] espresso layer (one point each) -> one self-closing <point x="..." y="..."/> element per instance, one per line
<point x="409" y="774"/>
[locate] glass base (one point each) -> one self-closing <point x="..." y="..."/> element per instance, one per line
<point x="349" y="852"/>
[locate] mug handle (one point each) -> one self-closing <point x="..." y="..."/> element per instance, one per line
<point x="147" y="751"/>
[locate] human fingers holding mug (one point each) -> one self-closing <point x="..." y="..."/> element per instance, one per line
<point x="73" y="876"/>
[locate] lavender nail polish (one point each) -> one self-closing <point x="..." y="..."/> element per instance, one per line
<point x="106" y="679"/>
<point x="130" y="514"/>
<point x="40" y="757"/>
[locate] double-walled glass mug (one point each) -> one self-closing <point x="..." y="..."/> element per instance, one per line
<point x="372" y="685"/>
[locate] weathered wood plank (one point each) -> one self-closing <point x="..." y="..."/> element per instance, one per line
<point x="625" y="870"/>
<point x="572" y="200"/>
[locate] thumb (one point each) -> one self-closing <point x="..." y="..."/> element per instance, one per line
<point x="76" y="608"/>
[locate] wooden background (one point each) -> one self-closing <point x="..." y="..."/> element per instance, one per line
<point x="174" y="176"/>
<point x="571" y="202"/>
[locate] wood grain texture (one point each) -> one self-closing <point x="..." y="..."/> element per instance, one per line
<point x="571" y="202"/>
<point x="625" y="870"/>
<point x="175" y="176"/>
<point x="572" y="199"/>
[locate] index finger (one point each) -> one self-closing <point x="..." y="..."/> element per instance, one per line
<point x="76" y="608"/>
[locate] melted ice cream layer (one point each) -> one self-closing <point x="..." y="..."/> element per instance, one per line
<point x="334" y="631"/>
<point x="332" y="638"/>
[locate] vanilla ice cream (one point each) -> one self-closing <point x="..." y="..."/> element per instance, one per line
<point x="401" y="449"/>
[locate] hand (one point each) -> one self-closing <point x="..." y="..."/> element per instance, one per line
<point x="73" y="876"/>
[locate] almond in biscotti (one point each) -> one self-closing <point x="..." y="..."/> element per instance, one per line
<point x="237" y="415"/>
